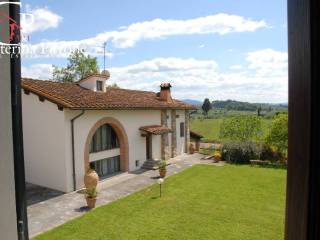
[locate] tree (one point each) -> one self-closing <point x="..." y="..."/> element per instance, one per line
<point x="259" y="111"/>
<point x="114" y="85"/>
<point x="278" y="134"/>
<point x="206" y="106"/>
<point x="79" y="66"/>
<point x="241" y="128"/>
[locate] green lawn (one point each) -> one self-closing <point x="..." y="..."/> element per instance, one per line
<point x="203" y="202"/>
<point x="210" y="128"/>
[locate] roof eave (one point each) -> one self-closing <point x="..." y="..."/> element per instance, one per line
<point x="49" y="98"/>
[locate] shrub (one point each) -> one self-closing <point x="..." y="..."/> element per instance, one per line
<point x="240" y="152"/>
<point x="241" y="128"/>
<point x="217" y="155"/>
<point x="91" y="192"/>
<point x="278" y="134"/>
<point x="269" y="153"/>
<point x="162" y="165"/>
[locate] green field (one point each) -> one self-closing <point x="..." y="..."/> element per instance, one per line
<point x="210" y="128"/>
<point x="202" y="202"/>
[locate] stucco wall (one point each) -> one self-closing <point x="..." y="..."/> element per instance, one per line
<point x="91" y="83"/>
<point x="47" y="136"/>
<point x="44" y="143"/>
<point x="131" y="121"/>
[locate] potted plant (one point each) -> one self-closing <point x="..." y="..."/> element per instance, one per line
<point x="91" y="197"/>
<point x="217" y="156"/>
<point x="162" y="168"/>
<point x="191" y="148"/>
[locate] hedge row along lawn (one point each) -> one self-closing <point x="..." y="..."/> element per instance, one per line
<point x="203" y="202"/>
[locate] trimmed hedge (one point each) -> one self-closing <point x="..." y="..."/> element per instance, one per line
<point x="240" y="152"/>
<point x="243" y="152"/>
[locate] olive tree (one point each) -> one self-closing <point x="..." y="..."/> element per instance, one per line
<point x="241" y="128"/>
<point x="79" y="66"/>
<point x="278" y="134"/>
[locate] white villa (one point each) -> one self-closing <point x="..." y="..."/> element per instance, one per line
<point x="69" y="127"/>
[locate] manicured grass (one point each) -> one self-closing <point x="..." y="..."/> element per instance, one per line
<point x="203" y="202"/>
<point x="210" y="128"/>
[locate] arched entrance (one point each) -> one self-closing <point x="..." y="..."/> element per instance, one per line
<point x="122" y="140"/>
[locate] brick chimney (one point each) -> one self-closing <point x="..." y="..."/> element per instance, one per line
<point x="165" y="94"/>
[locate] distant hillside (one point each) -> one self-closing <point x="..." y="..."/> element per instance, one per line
<point x="192" y="101"/>
<point x="246" y="106"/>
<point x="240" y="106"/>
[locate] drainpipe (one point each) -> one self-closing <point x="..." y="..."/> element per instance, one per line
<point x="73" y="157"/>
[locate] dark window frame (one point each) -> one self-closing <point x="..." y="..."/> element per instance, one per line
<point x="112" y="165"/>
<point x="99" y="144"/>
<point x="99" y="85"/>
<point x="182" y="129"/>
<point x="303" y="180"/>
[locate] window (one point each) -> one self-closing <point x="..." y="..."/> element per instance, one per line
<point x="107" y="166"/>
<point x="105" y="138"/>
<point x="182" y="129"/>
<point x="99" y="86"/>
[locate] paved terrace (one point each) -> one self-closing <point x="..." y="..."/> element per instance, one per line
<point x="51" y="213"/>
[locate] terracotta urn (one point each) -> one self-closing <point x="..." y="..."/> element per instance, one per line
<point x="91" y="179"/>
<point x="191" y="149"/>
<point x="217" y="158"/>
<point x="162" y="173"/>
<point x="91" y="202"/>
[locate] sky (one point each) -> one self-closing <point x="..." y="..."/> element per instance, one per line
<point x="217" y="49"/>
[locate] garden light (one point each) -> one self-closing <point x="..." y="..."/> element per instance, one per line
<point x="160" y="182"/>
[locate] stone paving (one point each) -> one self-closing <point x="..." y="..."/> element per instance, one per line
<point x="51" y="213"/>
<point x="36" y="194"/>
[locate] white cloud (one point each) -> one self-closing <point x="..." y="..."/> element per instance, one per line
<point x="37" y="71"/>
<point x="159" y="28"/>
<point x="268" y="62"/>
<point x="201" y="46"/>
<point x="39" y="19"/>
<point x="263" y="79"/>
<point x="236" y="67"/>
<point x="129" y="36"/>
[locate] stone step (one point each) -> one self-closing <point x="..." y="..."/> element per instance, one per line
<point x="150" y="165"/>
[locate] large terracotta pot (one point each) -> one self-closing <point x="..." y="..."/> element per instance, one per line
<point x="162" y="173"/>
<point x="91" y="179"/>
<point x="91" y="202"/>
<point x="191" y="149"/>
<point x="217" y="158"/>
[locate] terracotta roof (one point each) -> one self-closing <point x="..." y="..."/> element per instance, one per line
<point x="155" y="129"/>
<point x="73" y="96"/>
<point x="195" y="135"/>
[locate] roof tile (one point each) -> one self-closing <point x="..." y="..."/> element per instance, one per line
<point x="155" y="129"/>
<point x="73" y="96"/>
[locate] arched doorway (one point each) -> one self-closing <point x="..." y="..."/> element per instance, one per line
<point x="107" y="148"/>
